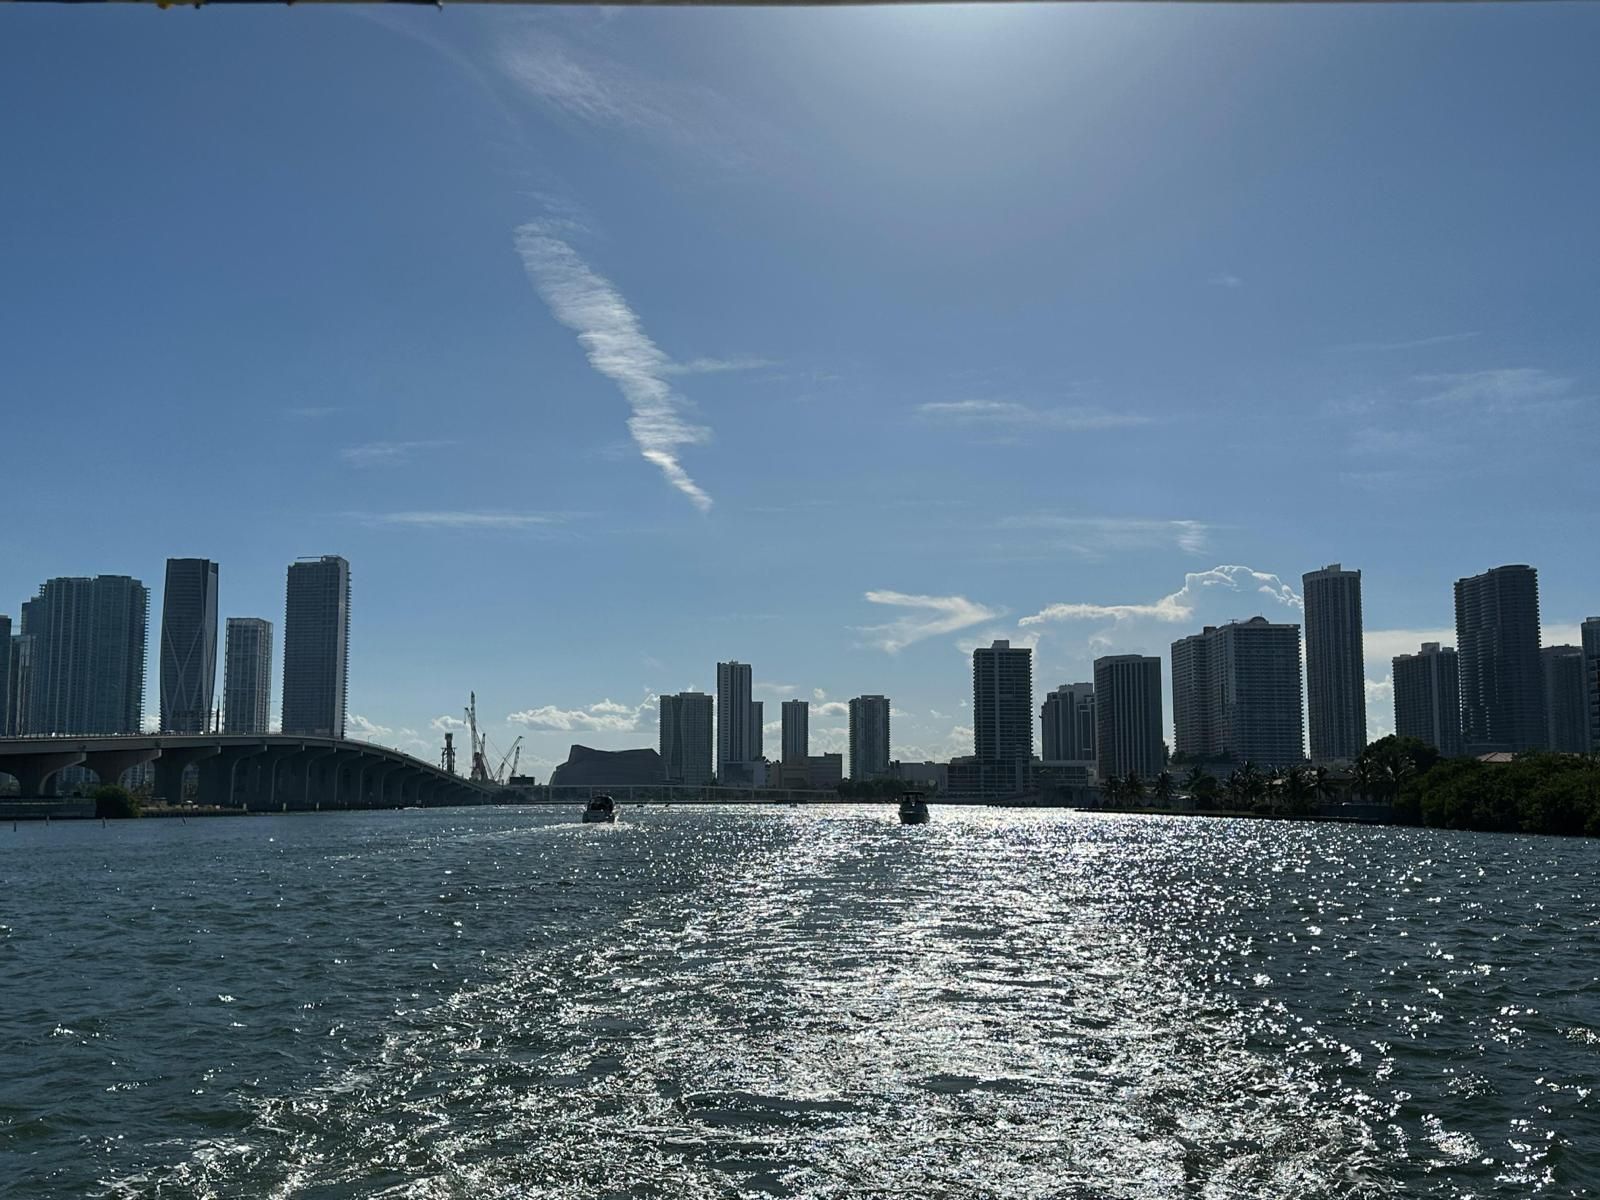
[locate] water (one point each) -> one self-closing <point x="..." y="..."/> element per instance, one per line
<point x="794" y="1002"/>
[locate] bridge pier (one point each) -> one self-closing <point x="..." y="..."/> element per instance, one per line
<point x="300" y="776"/>
<point x="170" y="766"/>
<point x="109" y="765"/>
<point x="36" y="772"/>
<point x="219" y="776"/>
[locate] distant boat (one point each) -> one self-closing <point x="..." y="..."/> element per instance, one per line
<point x="602" y="810"/>
<point x="913" y="809"/>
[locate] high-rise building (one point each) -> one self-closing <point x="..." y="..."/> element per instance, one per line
<point x="796" y="731"/>
<point x="188" y="645"/>
<point x="758" y="731"/>
<point x="1336" y="689"/>
<point x="1591" y="678"/>
<point x="1566" y="700"/>
<point x="869" y="737"/>
<point x="5" y="676"/>
<point x="247" y="675"/>
<point x="316" y="646"/>
<point x="19" y="684"/>
<point x="686" y="738"/>
<point x="1427" y="697"/>
<point x="1236" y="693"/>
<point x="734" y="742"/>
<point x="88" y="650"/>
<point x="1002" y="703"/>
<point x="1067" y="722"/>
<point x="1128" y="726"/>
<point x="1502" y="680"/>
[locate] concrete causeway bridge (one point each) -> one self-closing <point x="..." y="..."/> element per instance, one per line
<point x="258" y="772"/>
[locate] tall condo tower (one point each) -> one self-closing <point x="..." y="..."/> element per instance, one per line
<point x="1128" y="726"/>
<point x="316" y="646"/>
<point x="1502" y="678"/>
<point x="1427" y="697"/>
<point x="188" y="645"/>
<point x="734" y="743"/>
<point x="1336" y="690"/>
<point x="1566" y="700"/>
<point x="247" y="675"/>
<point x="88" y="647"/>
<point x="869" y="737"/>
<point x="1002" y="703"/>
<point x="1236" y="693"/>
<point x="686" y="738"/>
<point x="796" y="731"/>
<point x="1067" y="724"/>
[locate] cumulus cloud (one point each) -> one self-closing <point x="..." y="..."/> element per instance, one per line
<point x="1179" y="605"/>
<point x="929" y="616"/>
<point x="618" y="348"/>
<point x="830" y="708"/>
<point x="605" y="715"/>
<point x="446" y="724"/>
<point x="367" y="730"/>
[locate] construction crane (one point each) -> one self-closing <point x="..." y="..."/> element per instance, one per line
<point x="480" y="744"/>
<point x="512" y="755"/>
<point x="447" y="757"/>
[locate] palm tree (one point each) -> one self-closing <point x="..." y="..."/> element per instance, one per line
<point x="1132" y="787"/>
<point x="1111" y="788"/>
<point x="1365" y="775"/>
<point x="1322" y="786"/>
<point x="1297" y="786"/>
<point x="1164" y="787"/>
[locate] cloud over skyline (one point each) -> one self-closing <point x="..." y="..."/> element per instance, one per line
<point x="618" y="348"/>
<point x="929" y="616"/>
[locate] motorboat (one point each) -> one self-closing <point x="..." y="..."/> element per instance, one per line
<point x="913" y="809"/>
<point x="602" y="809"/>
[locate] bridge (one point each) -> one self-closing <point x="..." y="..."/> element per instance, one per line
<point x="258" y="772"/>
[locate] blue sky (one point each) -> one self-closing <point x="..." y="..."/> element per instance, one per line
<point x="607" y="344"/>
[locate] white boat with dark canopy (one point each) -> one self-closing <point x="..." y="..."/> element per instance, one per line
<point x="913" y="809"/>
<point x="602" y="810"/>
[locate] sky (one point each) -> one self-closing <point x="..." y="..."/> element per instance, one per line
<point x="606" y="344"/>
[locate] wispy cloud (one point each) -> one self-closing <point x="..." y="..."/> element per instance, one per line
<point x="605" y="716"/>
<point x="582" y="84"/>
<point x="718" y="366"/>
<point x="1179" y="605"/>
<point x="1225" y="279"/>
<point x="456" y="519"/>
<point x="1091" y="536"/>
<point x="618" y="348"/>
<point x="1442" y="339"/>
<point x="1500" y="391"/>
<point x="929" y="616"/>
<point x="1010" y="414"/>
<point x="387" y="454"/>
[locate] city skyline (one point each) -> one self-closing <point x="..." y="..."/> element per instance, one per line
<point x="879" y="388"/>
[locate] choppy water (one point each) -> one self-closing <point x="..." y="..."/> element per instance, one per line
<point x="795" y="1002"/>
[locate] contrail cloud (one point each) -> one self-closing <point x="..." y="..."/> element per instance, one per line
<point x="618" y="348"/>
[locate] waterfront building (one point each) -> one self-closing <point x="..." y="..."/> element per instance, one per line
<point x="188" y="645"/>
<point x="1128" y="722"/>
<point x="1566" y="700"/>
<point x="1502" y="678"/>
<point x="686" y="738"/>
<point x="1002" y="702"/>
<point x="824" y="772"/>
<point x="1427" y="697"/>
<point x="316" y="646"/>
<point x="5" y="676"/>
<point x="796" y="731"/>
<point x="1336" y="690"/>
<point x="247" y="675"/>
<point x="587" y="767"/>
<point x="88" y="655"/>
<point x="19" y="684"/>
<point x="1591" y="678"/>
<point x="1236" y="693"/>
<point x="869" y="737"/>
<point x="758" y="731"/>
<point x="1067" y="724"/>
<point x="735" y="745"/>
<point x="919" y="776"/>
